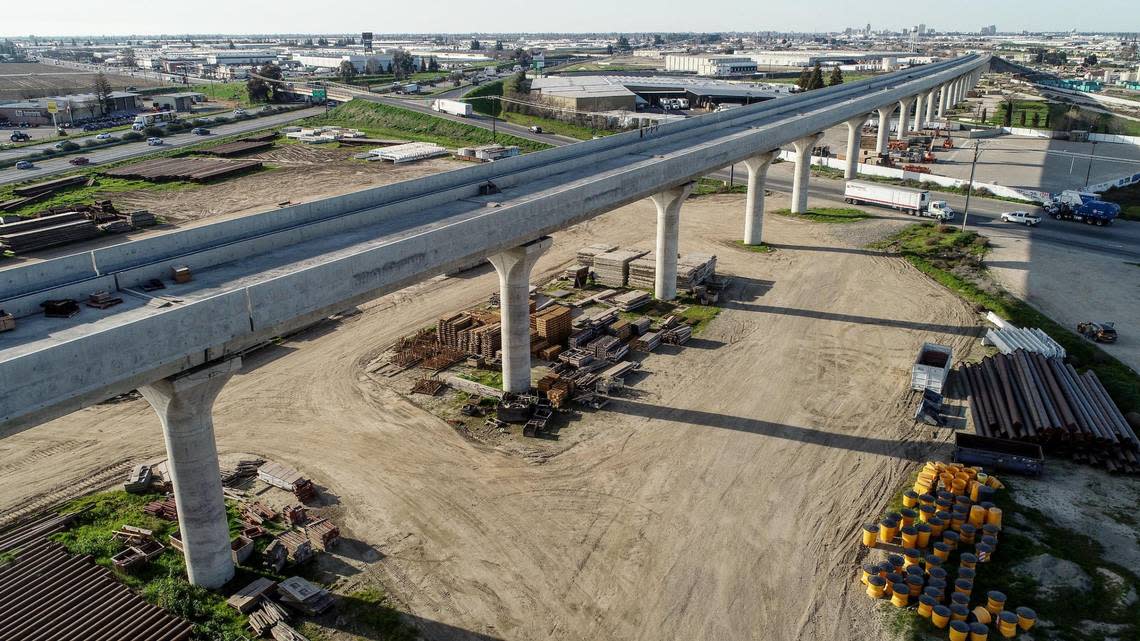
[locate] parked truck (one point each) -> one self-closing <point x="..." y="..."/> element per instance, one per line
<point x="453" y="107"/>
<point x="1083" y="207"/>
<point x="911" y="201"/>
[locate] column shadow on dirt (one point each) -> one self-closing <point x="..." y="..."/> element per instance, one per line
<point x="961" y="330"/>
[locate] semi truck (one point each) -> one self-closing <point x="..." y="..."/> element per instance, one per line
<point x="915" y="202"/>
<point x="1083" y="207"/>
<point x="453" y="107"/>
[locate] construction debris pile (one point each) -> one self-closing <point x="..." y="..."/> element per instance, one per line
<point x="1009" y="338"/>
<point x="266" y="616"/>
<point x="324" y="134"/>
<point x="1027" y="396"/>
<point x="487" y="153"/>
<point x="947" y="527"/>
<point x="63" y="225"/>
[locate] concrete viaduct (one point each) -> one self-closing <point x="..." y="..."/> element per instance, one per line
<point x="267" y="274"/>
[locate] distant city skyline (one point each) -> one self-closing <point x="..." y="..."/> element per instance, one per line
<point x="134" y="17"/>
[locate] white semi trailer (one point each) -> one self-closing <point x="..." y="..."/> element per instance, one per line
<point x="912" y="201"/>
<point x="453" y="107"/>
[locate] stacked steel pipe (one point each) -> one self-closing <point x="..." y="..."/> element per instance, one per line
<point x="1027" y="396"/>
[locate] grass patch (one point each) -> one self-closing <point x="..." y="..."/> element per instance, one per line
<point x="699" y="316"/>
<point x="554" y="126"/>
<point x="762" y="248"/>
<point x="1128" y="198"/>
<point x="837" y="215"/>
<point x="228" y="91"/>
<point x="371" y="610"/>
<point x="953" y="258"/>
<point x="706" y="186"/>
<point x="84" y="194"/>
<point x="490" y="378"/>
<point x="485" y="102"/>
<point x="385" y="121"/>
<point x="163" y="580"/>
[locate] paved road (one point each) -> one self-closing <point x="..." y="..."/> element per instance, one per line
<point x="54" y="166"/>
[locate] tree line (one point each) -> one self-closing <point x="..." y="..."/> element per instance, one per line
<point x="812" y="78"/>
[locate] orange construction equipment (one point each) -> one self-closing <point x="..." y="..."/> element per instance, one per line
<point x="948" y="143"/>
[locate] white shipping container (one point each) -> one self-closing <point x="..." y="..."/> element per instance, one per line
<point x="453" y="107"/>
<point x="912" y="201"/>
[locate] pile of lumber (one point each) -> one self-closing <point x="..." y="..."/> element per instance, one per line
<point x="586" y="254"/>
<point x="267" y="616"/>
<point x="49" y="231"/>
<point x="322" y="533"/>
<point x="194" y="169"/>
<point x="553" y="324"/>
<point x="632" y="300"/>
<point x="694" y="269"/>
<point x="31" y="193"/>
<point x="164" y="509"/>
<point x="1028" y="396"/>
<point x="611" y="269"/>
<point x="304" y="597"/>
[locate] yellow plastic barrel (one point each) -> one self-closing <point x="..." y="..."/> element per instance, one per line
<point x="1026" y="617"/>
<point x="888" y="529"/>
<point x="993" y="517"/>
<point x="934" y="593"/>
<point x="983" y="552"/>
<point x="942" y="551"/>
<point x="967" y="534"/>
<point x="959" y="631"/>
<point x="937" y="573"/>
<point x="940" y="616"/>
<point x="910" y="498"/>
<point x="875" y="587"/>
<point x="979" y="632"/>
<point x="968" y="561"/>
<point x="964" y="586"/>
<point x="951" y="538"/>
<point x="924" y="532"/>
<point x="957" y="520"/>
<point x="892" y="579"/>
<point x="982" y="615"/>
<point x="958" y="485"/>
<point x="869" y="570"/>
<point x="977" y="516"/>
<point x="933" y="561"/>
<point x="972" y="490"/>
<point x="926" y="605"/>
<point x="870" y="534"/>
<point x="909" y="536"/>
<point x="993" y="482"/>
<point x="959" y="598"/>
<point x="911" y="557"/>
<point x="990" y="529"/>
<point x="959" y="612"/>
<point x="982" y="477"/>
<point x="1007" y="624"/>
<point x="995" y="601"/>
<point x="966" y="573"/>
<point x="909" y="516"/>
<point x="936" y="526"/>
<point x="990" y="541"/>
<point x="914" y="586"/>
<point x="915" y="570"/>
<point x="900" y="595"/>
<point x="926" y="499"/>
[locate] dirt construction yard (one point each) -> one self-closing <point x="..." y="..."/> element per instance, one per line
<point x="720" y="499"/>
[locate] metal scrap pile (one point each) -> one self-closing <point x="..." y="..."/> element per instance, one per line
<point x="1027" y="396"/>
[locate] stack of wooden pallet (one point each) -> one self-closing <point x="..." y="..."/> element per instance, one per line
<point x="49" y="231"/>
<point x="449" y="327"/>
<point x="553" y="324"/>
<point x="630" y="301"/>
<point x="164" y="509"/>
<point x="694" y="269"/>
<point x="486" y="340"/>
<point x="612" y="268"/>
<point x="322" y="533"/>
<point x="647" y="342"/>
<point x="643" y="271"/>
<point x="586" y="254"/>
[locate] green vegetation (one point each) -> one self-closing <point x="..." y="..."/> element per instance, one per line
<point x="85" y="194"/>
<point x="371" y="610"/>
<point x="490" y="378"/>
<point x="762" y="248"/>
<point x="706" y="186"/>
<point x="487" y="106"/>
<point x="828" y="214"/>
<point x="228" y="91"/>
<point x="1128" y="198"/>
<point x="385" y="121"/>
<point x="699" y="316"/>
<point x="554" y="126"/>
<point x="953" y="258"/>
<point x="162" y="581"/>
<point x="1060" y="116"/>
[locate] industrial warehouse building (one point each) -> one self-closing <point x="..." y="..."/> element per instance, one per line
<point x="710" y="65"/>
<point x="178" y="101"/>
<point x="809" y="58"/>
<point x="629" y="93"/>
<point x="72" y="108"/>
<point x="330" y="60"/>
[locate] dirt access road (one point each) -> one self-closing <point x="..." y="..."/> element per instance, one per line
<point x="720" y="500"/>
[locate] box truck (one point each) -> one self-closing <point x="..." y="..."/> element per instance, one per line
<point x="453" y="107"/>
<point x="912" y="201"/>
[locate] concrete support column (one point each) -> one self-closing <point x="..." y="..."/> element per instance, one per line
<point x="184" y="403"/>
<point x="904" y="116"/>
<point x="943" y="96"/>
<point x="854" y="135"/>
<point x="513" y="266"/>
<point x="884" y="128"/>
<point x="668" y="237"/>
<point x="754" y="203"/>
<point x="930" y="106"/>
<point x="803" y="172"/>
<point x="919" y="105"/>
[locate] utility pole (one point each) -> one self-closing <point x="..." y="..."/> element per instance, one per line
<point x="1088" y="174"/>
<point x="970" y="185"/>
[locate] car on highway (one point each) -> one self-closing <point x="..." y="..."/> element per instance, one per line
<point x="19" y="136"/>
<point x="1021" y="217"/>
<point x="24" y="164"/>
<point x="154" y="141"/>
<point x="239" y="112"/>
<point x="103" y="136"/>
<point x="536" y="129"/>
<point x="200" y="131"/>
<point x="80" y="161"/>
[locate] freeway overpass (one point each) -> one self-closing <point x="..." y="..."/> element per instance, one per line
<point x="271" y="273"/>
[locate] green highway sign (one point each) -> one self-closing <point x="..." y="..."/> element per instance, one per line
<point x="320" y="94"/>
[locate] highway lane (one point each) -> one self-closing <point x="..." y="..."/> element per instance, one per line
<point x="50" y="167"/>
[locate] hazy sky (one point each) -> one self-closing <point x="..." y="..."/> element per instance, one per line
<point x="118" y="17"/>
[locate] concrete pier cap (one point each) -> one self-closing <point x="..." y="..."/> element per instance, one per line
<point x="184" y="404"/>
<point x="514" y="266"/>
<point x="668" y="204"/>
<point x="754" y="204"/>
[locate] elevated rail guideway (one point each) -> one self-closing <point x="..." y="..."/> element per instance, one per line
<point x="270" y="273"/>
